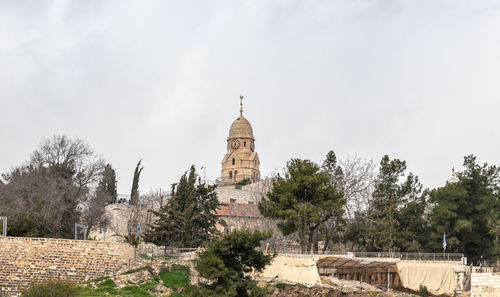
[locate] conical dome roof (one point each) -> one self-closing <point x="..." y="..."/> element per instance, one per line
<point x="241" y="128"/>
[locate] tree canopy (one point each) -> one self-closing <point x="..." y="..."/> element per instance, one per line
<point x="188" y="219"/>
<point x="397" y="220"/>
<point x="225" y="264"/>
<point x="303" y="199"/>
<point x="468" y="211"/>
<point x="46" y="196"/>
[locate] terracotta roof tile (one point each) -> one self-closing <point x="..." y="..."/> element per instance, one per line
<point x="239" y="210"/>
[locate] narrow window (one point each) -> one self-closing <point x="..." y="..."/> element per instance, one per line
<point x="234" y="161"/>
<point x="244" y="143"/>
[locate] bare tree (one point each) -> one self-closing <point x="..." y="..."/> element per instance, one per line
<point x="355" y="177"/>
<point x="154" y="199"/>
<point x="358" y="183"/>
<point x="94" y="211"/>
<point x="51" y="191"/>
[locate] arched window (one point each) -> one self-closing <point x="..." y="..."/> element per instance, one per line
<point x="234" y="161"/>
<point x="230" y="175"/>
<point x="244" y="143"/>
<point x="235" y="173"/>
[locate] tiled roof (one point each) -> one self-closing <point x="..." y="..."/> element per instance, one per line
<point x="239" y="210"/>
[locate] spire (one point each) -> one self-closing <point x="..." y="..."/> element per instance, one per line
<point x="241" y="105"/>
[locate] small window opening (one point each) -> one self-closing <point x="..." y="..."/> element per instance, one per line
<point x="234" y="161"/>
<point x="244" y="143"/>
<point x="232" y="200"/>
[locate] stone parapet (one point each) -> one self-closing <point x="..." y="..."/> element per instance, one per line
<point x="26" y="260"/>
<point x="485" y="284"/>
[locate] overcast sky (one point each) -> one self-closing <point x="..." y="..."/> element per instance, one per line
<point x="160" y="80"/>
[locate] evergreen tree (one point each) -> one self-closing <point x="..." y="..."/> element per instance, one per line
<point x="188" y="218"/>
<point x="106" y="190"/>
<point x="225" y="265"/>
<point x="467" y="211"/>
<point x="134" y="193"/>
<point x="397" y="209"/>
<point x="331" y="230"/>
<point x="302" y="200"/>
<point x="331" y="167"/>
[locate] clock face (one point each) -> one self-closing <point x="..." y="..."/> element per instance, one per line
<point x="235" y="144"/>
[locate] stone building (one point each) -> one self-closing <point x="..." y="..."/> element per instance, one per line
<point x="241" y="161"/>
<point x="239" y="201"/>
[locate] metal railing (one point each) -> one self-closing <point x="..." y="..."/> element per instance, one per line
<point x="226" y="180"/>
<point x="153" y="252"/>
<point x="386" y="255"/>
<point x="411" y="256"/>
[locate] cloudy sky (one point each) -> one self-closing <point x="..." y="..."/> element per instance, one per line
<point x="160" y="80"/>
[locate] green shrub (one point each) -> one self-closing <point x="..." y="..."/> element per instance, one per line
<point x="280" y="286"/>
<point x="244" y="182"/>
<point x="422" y="291"/>
<point x="176" y="294"/>
<point x="52" y="288"/>
<point x="107" y="283"/>
<point x="178" y="267"/>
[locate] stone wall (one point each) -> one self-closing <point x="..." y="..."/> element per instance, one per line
<point x="27" y="260"/>
<point x="485" y="284"/>
<point x="233" y="195"/>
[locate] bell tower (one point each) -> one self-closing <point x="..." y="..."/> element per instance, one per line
<point x="241" y="161"/>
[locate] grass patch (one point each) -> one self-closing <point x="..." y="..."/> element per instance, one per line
<point x="176" y="294"/>
<point x="133" y="291"/>
<point x="149" y="286"/>
<point x="106" y="290"/>
<point x="177" y="277"/>
<point x="53" y="288"/>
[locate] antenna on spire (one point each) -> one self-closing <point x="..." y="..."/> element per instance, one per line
<point x="241" y="104"/>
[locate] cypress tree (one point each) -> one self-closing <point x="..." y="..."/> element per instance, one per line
<point x="134" y="193"/>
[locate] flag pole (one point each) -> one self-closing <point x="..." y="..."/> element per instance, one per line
<point x="444" y="244"/>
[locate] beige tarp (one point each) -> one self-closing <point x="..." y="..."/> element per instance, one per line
<point x="293" y="270"/>
<point x="439" y="278"/>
